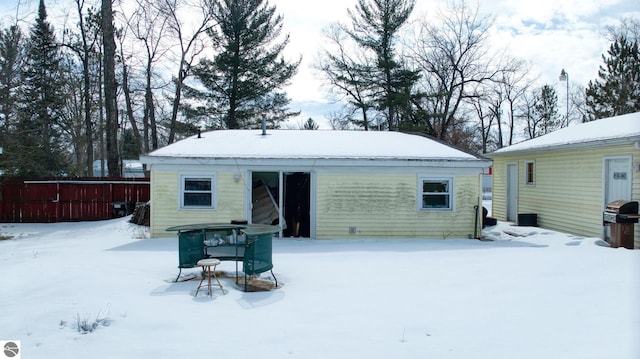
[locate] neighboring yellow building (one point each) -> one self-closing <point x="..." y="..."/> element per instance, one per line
<point x="318" y="184"/>
<point x="568" y="176"/>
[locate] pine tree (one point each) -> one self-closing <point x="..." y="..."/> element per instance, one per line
<point x="310" y="125"/>
<point x="375" y="24"/>
<point x="547" y="110"/>
<point x="130" y="146"/>
<point x="242" y="79"/>
<point x="11" y="57"/>
<point x="617" y="89"/>
<point x="544" y="117"/>
<point x="39" y="148"/>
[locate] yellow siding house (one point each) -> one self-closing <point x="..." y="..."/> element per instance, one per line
<point x="567" y="177"/>
<point x="318" y="184"/>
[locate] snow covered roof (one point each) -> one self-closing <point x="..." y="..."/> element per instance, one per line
<point x="310" y="144"/>
<point x="624" y="128"/>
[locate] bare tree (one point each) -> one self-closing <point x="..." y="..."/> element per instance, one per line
<point x="84" y="45"/>
<point x="191" y="41"/>
<point x="487" y="114"/>
<point x="341" y="119"/>
<point x="454" y="58"/>
<point x="628" y="27"/>
<point x="149" y="25"/>
<point x="72" y="117"/>
<point x="128" y="92"/>
<point x="515" y="84"/>
<point x="577" y="104"/>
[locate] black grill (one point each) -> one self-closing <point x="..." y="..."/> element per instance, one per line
<point x="621" y="212"/>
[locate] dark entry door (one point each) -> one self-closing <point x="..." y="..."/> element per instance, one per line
<point x="297" y="204"/>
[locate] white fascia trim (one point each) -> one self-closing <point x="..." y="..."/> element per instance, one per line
<point x="567" y="146"/>
<point x="152" y="161"/>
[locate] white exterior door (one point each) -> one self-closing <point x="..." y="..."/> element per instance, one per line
<point x="512" y="192"/>
<point x="617" y="179"/>
<point x="617" y="183"/>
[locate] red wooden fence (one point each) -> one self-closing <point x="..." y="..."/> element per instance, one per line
<point x="68" y="200"/>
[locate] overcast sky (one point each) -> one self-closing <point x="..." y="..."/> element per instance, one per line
<point x="550" y="34"/>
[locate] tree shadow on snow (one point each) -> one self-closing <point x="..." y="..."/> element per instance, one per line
<point x="393" y="245"/>
<point x="149" y="245"/>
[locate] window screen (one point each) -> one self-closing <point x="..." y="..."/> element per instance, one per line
<point x="436" y="193"/>
<point x="197" y="192"/>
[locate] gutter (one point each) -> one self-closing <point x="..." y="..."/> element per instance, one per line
<point x="567" y="146"/>
<point x="266" y="161"/>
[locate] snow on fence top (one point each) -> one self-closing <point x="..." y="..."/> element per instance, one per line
<point x="618" y="128"/>
<point x="311" y="144"/>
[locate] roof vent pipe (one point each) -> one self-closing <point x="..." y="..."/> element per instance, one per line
<point x="199" y="134"/>
<point x="264" y="123"/>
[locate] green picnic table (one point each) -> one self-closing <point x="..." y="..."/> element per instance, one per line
<point x="250" y="243"/>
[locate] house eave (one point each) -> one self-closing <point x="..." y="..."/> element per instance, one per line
<point x="315" y="162"/>
<point x="600" y="143"/>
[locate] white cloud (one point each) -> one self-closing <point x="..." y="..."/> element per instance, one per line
<point x="553" y="35"/>
<point x="550" y="34"/>
<point x="552" y="11"/>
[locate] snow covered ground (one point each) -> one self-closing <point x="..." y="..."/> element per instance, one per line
<point x="532" y="294"/>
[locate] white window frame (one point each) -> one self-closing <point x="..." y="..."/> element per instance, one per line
<point x="187" y="176"/>
<point x="533" y="173"/>
<point x="450" y="193"/>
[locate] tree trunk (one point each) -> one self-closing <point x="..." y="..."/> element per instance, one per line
<point x="512" y="123"/>
<point x="111" y="107"/>
<point x="129" y="106"/>
<point x="101" y="127"/>
<point x="176" y="101"/>
<point x="88" y="122"/>
<point x="150" y="108"/>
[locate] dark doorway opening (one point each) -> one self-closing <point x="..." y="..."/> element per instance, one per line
<point x="297" y="204"/>
<point x="296" y="201"/>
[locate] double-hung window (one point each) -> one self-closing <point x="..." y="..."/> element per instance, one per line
<point x="197" y="191"/>
<point x="436" y="193"/>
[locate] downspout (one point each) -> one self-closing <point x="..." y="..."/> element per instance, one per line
<point x="475" y="223"/>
